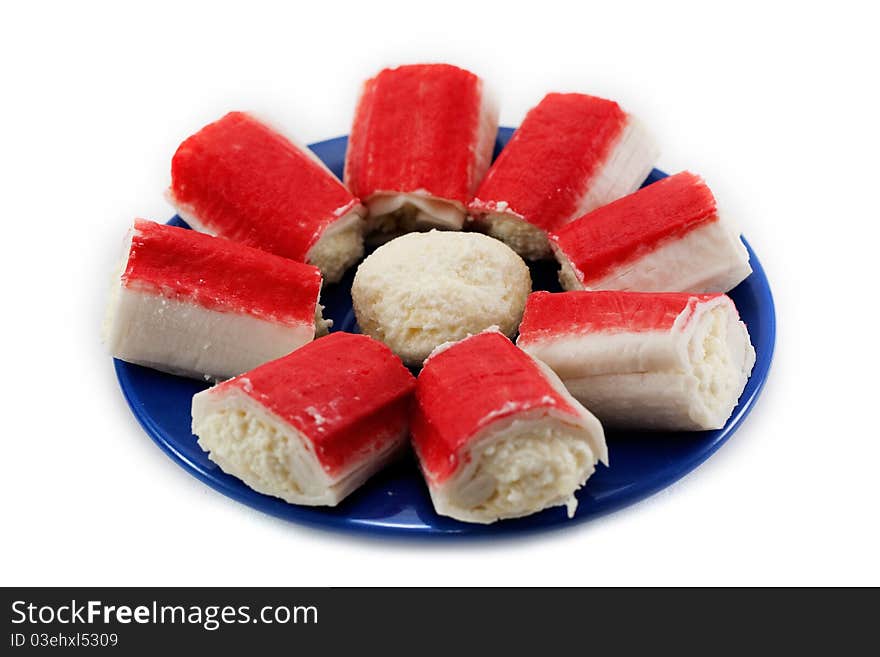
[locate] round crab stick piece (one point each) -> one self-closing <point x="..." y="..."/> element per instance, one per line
<point x="572" y="153"/>
<point x="313" y="426"/>
<point x="668" y="361"/>
<point x="496" y="433"/>
<point x="241" y="179"/>
<point x="666" y="237"/>
<point x="421" y="141"/>
<point x="202" y="306"/>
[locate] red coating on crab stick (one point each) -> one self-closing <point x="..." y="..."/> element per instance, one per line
<point x="242" y="180"/>
<point x="415" y="129"/>
<point x="634" y="225"/>
<point x="347" y="394"/>
<point x="219" y="274"/>
<point x="468" y="386"/>
<point x="546" y="168"/>
<point x="549" y="315"/>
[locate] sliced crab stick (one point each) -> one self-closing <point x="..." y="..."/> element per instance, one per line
<point x="202" y="306"/>
<point x="643" y="360"/>
<point x="421" y="141"/>
<point x="241" y="179"/>
<point x="311" y="427"/>
<point x="572" y="154"/>
<point x="496" y="433"/>
<point x="666" y="237"/>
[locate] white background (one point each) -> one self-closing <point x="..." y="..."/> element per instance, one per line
<point x="776" y="107"/>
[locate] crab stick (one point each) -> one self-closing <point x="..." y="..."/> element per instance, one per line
<point x="202" y="306"/>
<point x="572" y="153"/>
<point x="421" y="141"/>
<point x="496" y="433"/>
<point x="311" y="427"/>
<point x="241" y="179"/>
<point x="643" y="360"/>
<point x="666" y="237"/>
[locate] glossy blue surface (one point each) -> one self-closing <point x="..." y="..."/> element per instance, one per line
<point x="396" y="502"/>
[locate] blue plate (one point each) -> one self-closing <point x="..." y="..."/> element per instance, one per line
<point x="396" y="502"/>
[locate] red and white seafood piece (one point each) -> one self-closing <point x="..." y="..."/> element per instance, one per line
<point x="421" y="141"/>
<point x="241" y="179"/>
<point x="311" y="427"/>
<point x="496" y="433"/>
<point x="202" y="306"/>
<point x="666" y="237"/>
<point x="572" y="154"/>
<point x="672" y="361"/>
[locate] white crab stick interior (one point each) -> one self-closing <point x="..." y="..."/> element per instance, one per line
<point x="271" y="456"/>
<point x="518" y="467"/>
<point x="340" y="246"/>
<point x="395" y="213"/>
